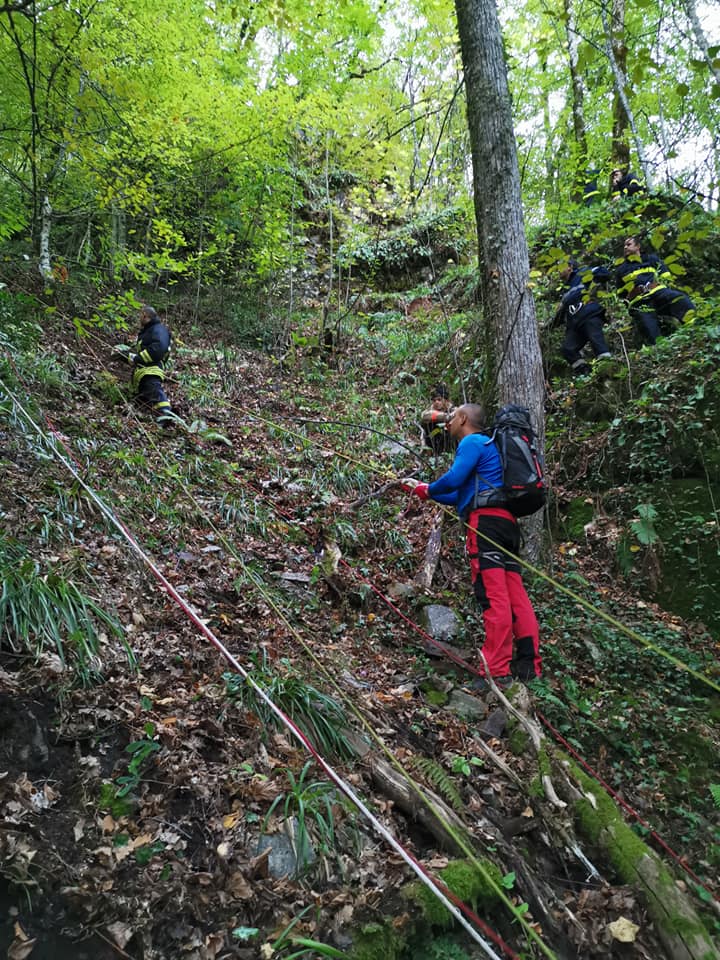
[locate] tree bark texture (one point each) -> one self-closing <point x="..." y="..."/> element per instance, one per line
<point x="514" y="360"/>
<point x="425" y="574"/>
<point x="509" y="310"/>
<point x="578" y="95"/>
<point x="623" y="117"/>
<point x="44" y="263"/>
<point x="700" y="37"/>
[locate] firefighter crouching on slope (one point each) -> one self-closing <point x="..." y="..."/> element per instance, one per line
<point x="583" y="315"/>
<point x="148" y="361"/>
<point x="642" y="280"/>
<point x="497" y="581"/>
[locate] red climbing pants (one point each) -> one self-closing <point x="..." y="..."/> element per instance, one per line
<point x="508" y="615"/>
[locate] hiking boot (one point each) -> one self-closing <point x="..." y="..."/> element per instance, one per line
<point x="523" y="668"/>
<point x="581" y="368"/>
<point x="481" y="685"/>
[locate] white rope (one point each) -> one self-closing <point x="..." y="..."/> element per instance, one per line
<point x="51" y="442"/>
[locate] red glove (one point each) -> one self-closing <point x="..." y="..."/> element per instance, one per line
<point x="422" y="491"/>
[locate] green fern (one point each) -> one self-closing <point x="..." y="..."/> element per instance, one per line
<point x="715" y="791"/>
<point x="440" y="780"/>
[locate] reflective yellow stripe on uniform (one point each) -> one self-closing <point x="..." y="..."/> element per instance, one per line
<point x="630" y="281"/>
<point x="140" y="372"/>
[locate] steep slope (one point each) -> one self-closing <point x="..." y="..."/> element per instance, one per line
<point x="243" y="517"/>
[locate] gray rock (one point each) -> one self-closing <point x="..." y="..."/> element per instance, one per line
<point x="401" y="591"/>
<point x="283" y="861"/>
<point x="440" y="622"/>
<point x="392" y="448"/>
<point x="466" y="705"/>
<point x="494" y="726"/>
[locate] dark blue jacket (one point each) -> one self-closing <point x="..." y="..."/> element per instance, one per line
<point x="476" y="453"/>
<point x="579" y="303"/>
<point x="628" y="185"/>
<point x="636" y="277"/>
<point x="153" y="344"/>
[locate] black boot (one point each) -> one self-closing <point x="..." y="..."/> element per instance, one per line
<point x="523" y="664"/>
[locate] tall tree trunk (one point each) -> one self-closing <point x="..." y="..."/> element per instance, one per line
<point x="623" y="117"/>
<point x="621" y="120"/>
<point x="409" y="87"/>
<point x="700" y="37"/>
<point x="44" y="263"/>
<point x="514" y="349"/>
<point x="578" y="98"/>
<point x="512" y="345"/>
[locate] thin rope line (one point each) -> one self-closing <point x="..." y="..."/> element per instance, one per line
<point x="417" y="868"/>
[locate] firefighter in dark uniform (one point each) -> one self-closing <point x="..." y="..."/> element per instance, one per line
<point x="624" y="184"/>
<point x="590" y="191"/>
<point x="148" y="360"/>
<point x="641" y="280"/>
<point x="434" y="420"/>
<point x="582" y="314"/>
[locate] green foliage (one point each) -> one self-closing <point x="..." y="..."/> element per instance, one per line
<point x="440" y="780"/>
<point x="39" y="611"/>
<point x="644" y="527"/>
<point x="200" y="428"/>
<point x="317" y="715"/>
<point x="246" y="515"/>
<point x="648" y="723"/>
<point x="108" y="387"/>
<point x="110" y="800"/>
<point x="431" y="238"/>
<point x="440" y="948"/>
<point x="311" y="949"/>
<point x="715" y="793"/>
<point x="310" y="806"/>
<point x="466" y="881"/>
<point x="140" y="752"/>
<point x="114" y="313"/>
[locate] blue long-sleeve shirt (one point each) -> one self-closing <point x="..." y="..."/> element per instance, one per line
<point x="476" y="453"/>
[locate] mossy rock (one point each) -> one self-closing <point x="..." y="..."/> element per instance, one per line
<point x="377" y="941"/>
<point x="579" y="513"/>
<point x="472" y="885"/>
<point x="434" y="696"/>
<point x="690" y="560"/>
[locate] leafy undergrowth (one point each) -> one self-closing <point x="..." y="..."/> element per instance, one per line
<point x="136" y="806"/>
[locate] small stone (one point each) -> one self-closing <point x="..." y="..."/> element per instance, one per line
<point x="494" y="726"/>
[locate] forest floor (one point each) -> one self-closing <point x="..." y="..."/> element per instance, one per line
<point x="242" y="517"/>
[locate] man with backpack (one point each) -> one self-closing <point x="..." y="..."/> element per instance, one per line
<point x="475" y="486"/>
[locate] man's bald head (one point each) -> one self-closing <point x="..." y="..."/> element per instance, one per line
<point x="475" y="414"/>
<point x="469" y="418"/>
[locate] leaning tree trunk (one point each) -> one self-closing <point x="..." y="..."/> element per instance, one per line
<point x="578" y="95"/>
<point x="701" y="39"/>
<point x="623" y="117"/>
<point x="512" y="345"/>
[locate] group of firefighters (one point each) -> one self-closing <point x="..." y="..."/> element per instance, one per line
<point x="644" y="282"/>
